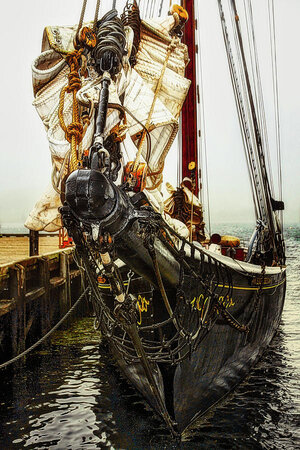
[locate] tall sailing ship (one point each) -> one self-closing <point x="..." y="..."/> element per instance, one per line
<point x="185" y="314"/>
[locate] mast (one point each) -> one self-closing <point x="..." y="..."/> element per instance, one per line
<point x="261" y="156"/>
<point x="264" y="203"/>
<point x="189" y="110"/>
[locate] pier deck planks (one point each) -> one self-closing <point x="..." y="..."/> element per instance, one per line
<point x="15" y="248"/>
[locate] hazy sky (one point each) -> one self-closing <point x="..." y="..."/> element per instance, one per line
<point x="25" y="158"/>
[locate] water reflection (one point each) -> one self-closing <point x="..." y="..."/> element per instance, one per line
<point x="261" y="413"/>
<point x="70" y="397"/>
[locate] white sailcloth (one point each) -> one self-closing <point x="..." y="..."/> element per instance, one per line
<point x="138" y="85"/>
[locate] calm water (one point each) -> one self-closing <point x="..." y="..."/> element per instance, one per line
<point x="69" y="397"/>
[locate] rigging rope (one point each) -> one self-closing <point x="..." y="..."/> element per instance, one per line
<point x="160" y="8"/>
<point x="75" y="131"/>
<point x="275" y="90"/>
<point x="81" y="16"/>
<point x="256" y="157"/>
<point x="248" y="126"/>
<point x="246" y="136"/>
<point x="96" y="15"/>
<point x="260" y="105"/>
<point x="45" y="337"/>
<point x="202" y="140"/>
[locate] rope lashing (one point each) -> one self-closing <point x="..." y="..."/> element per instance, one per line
<point x="74" y="132"/>
<point x="44" y="338"/>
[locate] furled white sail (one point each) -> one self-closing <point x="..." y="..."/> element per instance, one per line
<point x="154" y="100"/>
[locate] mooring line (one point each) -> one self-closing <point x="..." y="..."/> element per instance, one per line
<point x="36" y="344"/>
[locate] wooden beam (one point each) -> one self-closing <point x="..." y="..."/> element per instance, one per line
<point x="6" y="306"/>
<point x="17" y="289"/>
<point x="45" y="306"/>
<point x="65" y="290"/>
<point x="34" y="294"/>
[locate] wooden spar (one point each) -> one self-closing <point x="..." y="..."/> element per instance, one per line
<point x="189" y="110"/>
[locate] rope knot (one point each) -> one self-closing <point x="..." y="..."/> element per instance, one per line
<point x="74" y="129"/>
<point x="73" y="57"/>
<point x="74" y="81"/>
<point x="74" y="132"/>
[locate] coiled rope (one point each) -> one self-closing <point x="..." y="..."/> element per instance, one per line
<point x="111" y="41"/>
<point x="44" y="338"/>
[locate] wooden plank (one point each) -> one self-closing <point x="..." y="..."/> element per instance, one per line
<point x="31" y="264"/>
<point x="15" y="249"/>
<point x="34" y="294"/>
<point x="4" y="273"/>
<point x="35" y="273"/>
<point x="54" y="264"/>
<point x="57" y="281"/>
<point x="45" y="301"/>
<point x="29" y="324"/>
<point x="6" y="306"/>
<point x="52" y="235"/>
<point x="65" y="290"/>
<point x="74" y="273"/>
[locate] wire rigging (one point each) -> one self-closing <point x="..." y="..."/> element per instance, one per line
<point x="202" y="157"/>
<point x="260" y="106"/>
<point x="249" y="101"/>
<point x="246" y="135"/>
<point x="247" y="114"/>
<point x="275" y="90"/>
<point x="268" y="218"/>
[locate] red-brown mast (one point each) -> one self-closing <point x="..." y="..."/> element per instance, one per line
<point x="189" y="110"/>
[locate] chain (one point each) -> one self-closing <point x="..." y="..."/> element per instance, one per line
<point x="221" y="308"/>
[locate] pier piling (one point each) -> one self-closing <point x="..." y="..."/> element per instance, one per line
<point x="33" y="243"/>
<point x="34" y="294"/>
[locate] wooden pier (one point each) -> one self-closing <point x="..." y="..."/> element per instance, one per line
<point x="16" y="247"/>
<point x="35" y="293"/>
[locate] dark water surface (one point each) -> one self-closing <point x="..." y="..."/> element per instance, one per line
<point x="69" y="397"/>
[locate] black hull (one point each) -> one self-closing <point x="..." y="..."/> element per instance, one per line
<point x="185" y="325"/>
<point x="225" y="357"/>
<point x="221" y="360"/>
